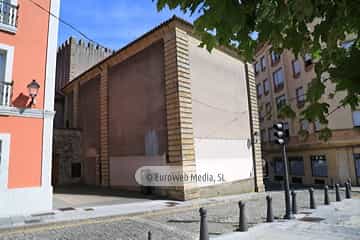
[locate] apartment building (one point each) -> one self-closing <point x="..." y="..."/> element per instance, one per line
<point x="283" y="79"/>
<point x="28" y="42"/>
<point x="163" y="101"/>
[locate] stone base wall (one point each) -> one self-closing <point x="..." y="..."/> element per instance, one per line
<point x="67" y="149"/>
<point x="231" y="188"/>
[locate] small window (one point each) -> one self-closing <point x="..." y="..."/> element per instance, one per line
<point x="296" y="68"/>
<point x="298" y="180"/>
<point x="0" y="151"/>
<point x="319" y="181"/>
<point x="280" y="102"/>
<point x="308" y="60"/>
<point x="356" y="118"/>
<point x="257" y="67"/>
<point x="263" y="63"/>
<point x="259" y="90"/>
<point x="286" y="127"/>
<point x="4" y="159"/>
<point x="268" y="108"/>
<point x="296" y="164"/>
<point x="319" y="166"/>
<point x="317" y="125"/>
<point x="304" y="124"/>
<point x="275" y="57"/>
<point x="300" y="96"/>
<point x="261" y="116"/>
<point x="263" y="135"/>
<point x="266" y="86"/>
<point x="278" y="167"/>
<point x="271" y="134"/>
<point x="6" y="62"/>
<point x="278" y="78"/>
<point x="76" y="170"/>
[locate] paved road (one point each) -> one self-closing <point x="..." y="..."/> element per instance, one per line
<point x="175" y="224"/>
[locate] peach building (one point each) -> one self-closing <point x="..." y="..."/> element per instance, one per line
<point x="284" y="79"/>
<point x="28" y="42"/>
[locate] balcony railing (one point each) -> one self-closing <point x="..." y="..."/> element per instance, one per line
<point x="8" y="14"/>
<point x="5" y="93"/>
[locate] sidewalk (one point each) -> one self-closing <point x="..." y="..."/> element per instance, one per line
<point x="338" y="221"/>
<point x="118" y="211"/>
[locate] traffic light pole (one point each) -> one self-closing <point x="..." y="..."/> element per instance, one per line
<point x="288" y="214"/>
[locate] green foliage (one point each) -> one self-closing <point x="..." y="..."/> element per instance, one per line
<point x="317" y="27"/>
<point x="303" y="134"/>
<point x="286" y="112"/>
<point x="325" y="134"/>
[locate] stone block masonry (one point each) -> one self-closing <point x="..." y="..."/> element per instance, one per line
<point x="67" y="152"/>
<point x="75" y="57"/>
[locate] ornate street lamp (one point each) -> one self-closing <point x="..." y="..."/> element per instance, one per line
<point x="33" y="88"/>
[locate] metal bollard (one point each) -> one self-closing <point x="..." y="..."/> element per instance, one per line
<point x="349" y="181"/>
<point x="337" y="193"/>
<point x="347" y="191"/>
<point x="269" y="215"/>
<point x="294" y="204"/>
<point x="326" y="195"/>
<point x="312" y="200"/>
<point x="204" y="234"/>
<point x="149" y="235"/>
<point x="242" y="218"/>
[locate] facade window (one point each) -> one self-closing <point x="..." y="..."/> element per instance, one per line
<point x="356" y="118"/>
<point x="268" y="108"/>
<point x="278" y="77"/>
<point x="300" y="96"/>
<point x="257" y="67"/>
<point x="4" y="159"/>
<point x="8" y="15"/>
<point x="263" y="63"/>
<point x="308" y="60"/>
<point x="261" y="116"/>
<point x="296" y="165"/>
<point x="0" y="151"/>
<point x="296" y="68"/>
<point x="266" y="86"/>
<point x="304" y="124"/>
<point x="259" y="90"/>
<point x="270" y="135"/>
<point x="319" y="166"/>
<point x="275" y="57"/>
<point x="263" y="135"/>
<point x="317" y="125"/>
<point x="286" y="126"/>
<point x="6" y="62"/>
<point x="357" y="164"/>
<point x="280" y="102"/>
<point x="278" y="166"/>
<point x="76" y="170"/>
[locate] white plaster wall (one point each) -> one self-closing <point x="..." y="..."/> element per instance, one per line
<point x="123" y="169"/>
<point x="220" y="114"/>
<point x="232" y="158"/>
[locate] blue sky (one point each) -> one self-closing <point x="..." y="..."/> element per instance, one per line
<point x="113" y="23"/>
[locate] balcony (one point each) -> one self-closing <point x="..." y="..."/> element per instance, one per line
<point x="5" y="93"/>
<point x="8" y="16"/>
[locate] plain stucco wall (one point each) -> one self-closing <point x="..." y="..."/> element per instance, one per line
<point x="220" y="114"/>
<point x="137" y="116"/>
<point x="89" y="124"/>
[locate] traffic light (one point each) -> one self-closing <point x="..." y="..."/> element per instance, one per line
<point x="280" y="133"/>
